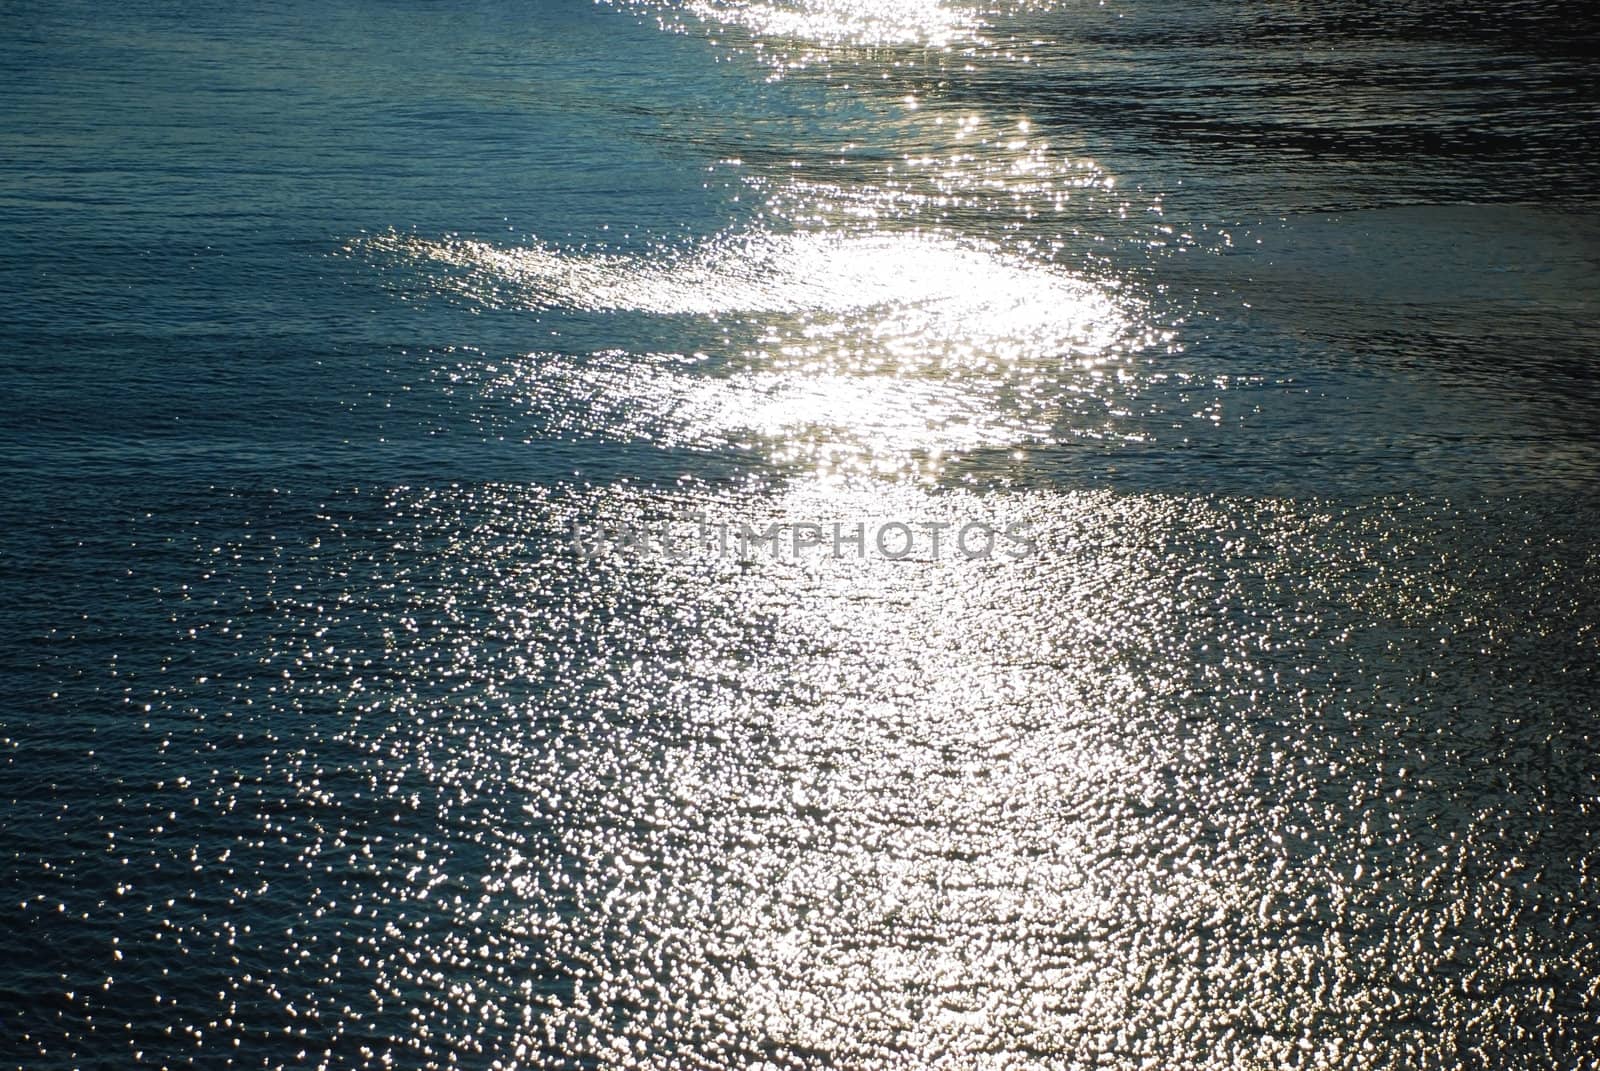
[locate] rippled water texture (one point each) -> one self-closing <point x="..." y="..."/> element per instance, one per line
<point x="323" y="743"/>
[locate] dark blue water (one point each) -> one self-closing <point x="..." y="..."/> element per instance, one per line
<point x="325" y="325"/>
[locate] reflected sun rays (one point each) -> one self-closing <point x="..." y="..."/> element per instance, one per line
<point x="875" y="353"/>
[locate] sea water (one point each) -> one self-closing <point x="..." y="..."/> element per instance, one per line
<point x="389" y="391"/>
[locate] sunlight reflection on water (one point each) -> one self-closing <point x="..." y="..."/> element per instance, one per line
<point x="330" y="747"/>
<point x="876" y="353"/>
